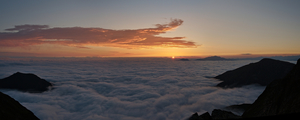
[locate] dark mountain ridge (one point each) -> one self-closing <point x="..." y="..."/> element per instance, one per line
<point x="280" y="100"/>
<point x="280" y="97"/>
<point x="213" y="58"/>
<point x="10" y="109"/>
<point x="25" y="82"/>
<point x="262" y="73"/>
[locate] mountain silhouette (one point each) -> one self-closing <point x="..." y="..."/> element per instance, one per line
<point x="25" y="82"/>
<point x="10" y="109"/>
<point x="280" y="97"/>
<point x="262" y="73"/>
<point x="213" y="58"/>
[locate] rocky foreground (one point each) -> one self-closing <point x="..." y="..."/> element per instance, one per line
<point x="280" y="100"/>
<point x="10" y="109"/>
<point x="281" y="96"/>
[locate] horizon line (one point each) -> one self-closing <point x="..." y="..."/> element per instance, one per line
<point x="203" y="56"/>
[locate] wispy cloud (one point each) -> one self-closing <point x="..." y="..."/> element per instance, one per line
<point x="246" y="54"/>
<point x="27" y="35"/>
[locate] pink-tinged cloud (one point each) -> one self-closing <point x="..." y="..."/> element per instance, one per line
<point x="27" y="35"/>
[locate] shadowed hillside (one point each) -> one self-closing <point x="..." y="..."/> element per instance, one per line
<point x="25" y="82"/>
<point x="11" y="109"/>
<point x="282" y="96"/>
<point x="262" y="73"/>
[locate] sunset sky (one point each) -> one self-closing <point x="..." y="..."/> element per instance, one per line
<point x="149" y="28"/>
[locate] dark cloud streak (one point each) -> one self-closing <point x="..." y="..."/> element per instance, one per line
<point x="27" y="27"/>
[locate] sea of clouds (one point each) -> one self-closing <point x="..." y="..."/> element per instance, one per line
<point x="126" y="88"/>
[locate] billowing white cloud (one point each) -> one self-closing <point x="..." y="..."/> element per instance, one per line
<point x="126" y="89"/>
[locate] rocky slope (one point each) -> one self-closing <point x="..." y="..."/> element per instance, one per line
<point x="282" y="96"/>
<point x="25" y="82"/>
<point x="280" y="100"/>
<point x="11" y="109"/>
<point x="262" y="73"/>
<point x="216" y="114"/>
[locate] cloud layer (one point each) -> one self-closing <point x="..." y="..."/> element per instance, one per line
<point x="126" y="88"/>
<point x="27" y="35"/>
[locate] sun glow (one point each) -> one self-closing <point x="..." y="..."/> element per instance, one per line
<point x="173" y="57"/>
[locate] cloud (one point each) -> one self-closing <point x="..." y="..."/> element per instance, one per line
<point x="27" y="27"/>
<point x="27" y="35"/>
<point x="246" y="54"/>
<point x="126" y="88"/>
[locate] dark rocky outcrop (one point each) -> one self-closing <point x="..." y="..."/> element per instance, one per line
<point x="225" y="115"/>
<point x="280" y="100"/>
<point x="238" y="109"/>
<point x="262" y="73"/>
<point x="213" y="58"/>
<point x="11" y="109"/>
<point x="184" y="59"/>
<point x="25" y="82"/>
<point x="280" y="97"/>
<point x="204" y="116"/>
<point x="195" y="116"/>
<point x="216" y="114"/>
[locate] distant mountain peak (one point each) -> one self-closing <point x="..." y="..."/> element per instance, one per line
<point x="213" y="58"/>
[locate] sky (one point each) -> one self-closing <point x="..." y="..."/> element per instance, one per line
<point x="143" y="28"/>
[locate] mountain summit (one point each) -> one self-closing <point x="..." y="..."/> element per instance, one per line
<point x="25" y="82"/>
<point x="262" y="73"/>
<point x="213" y="58"/>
